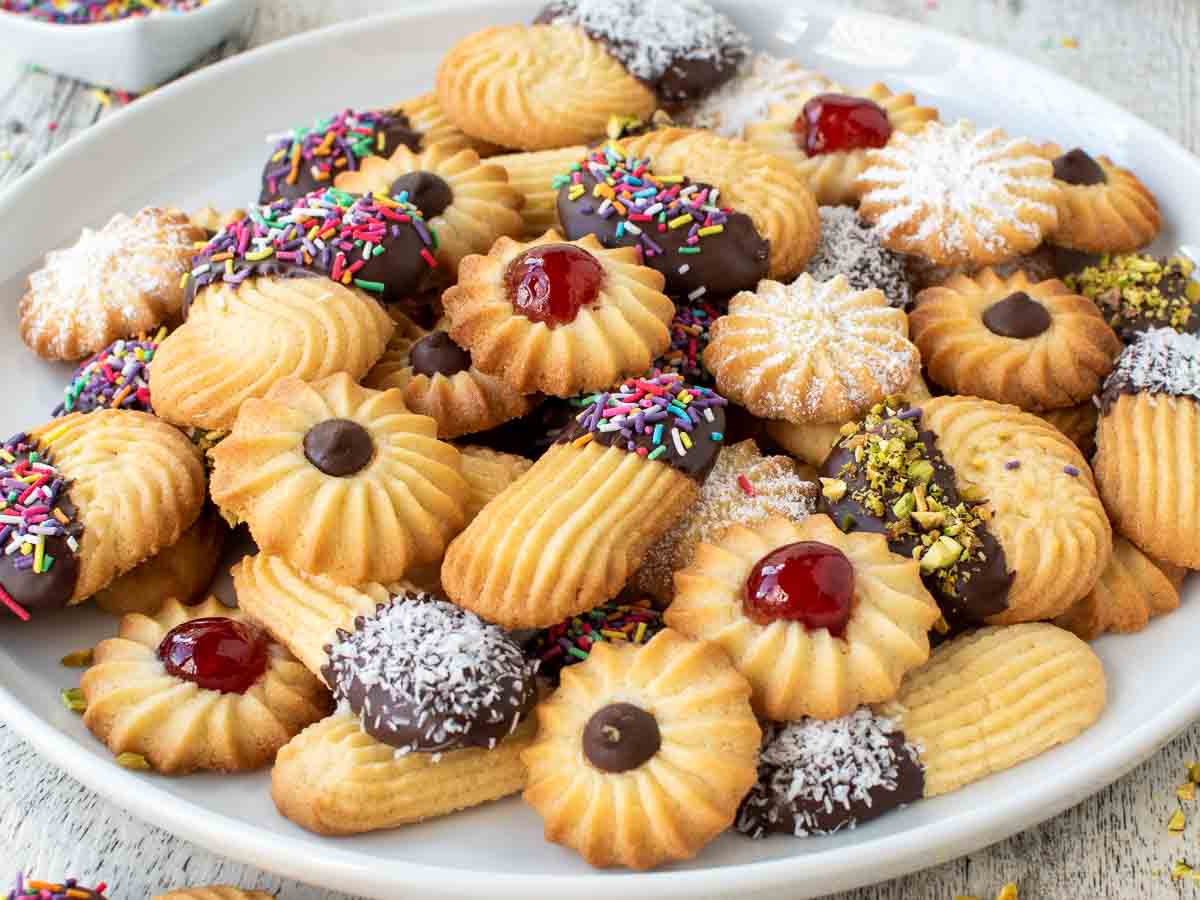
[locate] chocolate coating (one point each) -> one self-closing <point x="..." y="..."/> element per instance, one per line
<point x="427" y="191"/>
<point x="339" y="447"/>
<point x="735" y="260"/>
<point x="1071" y="262"/>
<point x="620" y="737"/>
<point x="49" y="590"/>
<point x="533" y="433"/>
<point x="1078" y="168"/>
<point x="437" y="354"/>
<point x="1017" y="316"/>
<point x="984" y="584"/>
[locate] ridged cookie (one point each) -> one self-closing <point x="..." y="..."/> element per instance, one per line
<point x="335" y="779"/>
<point x="831" y="175"/>
<point x="1034" y="345"/>
<point x="1078" y="423"/>
<point x="488" y="474"/>
<point x="1132" y="590"/>
<point x="340" y="480"/>
<point x="796" y="670"/>
<point x="996" y="697"/>
<point x="644" y="752"/>
<point x="536" y="87"/>
<point x="135" y="705"/>
<point x="428" y="117"/>
<point x="238" y="341"/>
<point x="532" y="174"/>
<point x="214" y="892"/>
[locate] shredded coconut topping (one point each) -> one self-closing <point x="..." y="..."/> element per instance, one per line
<point x="1160" y="361"/>
<point x="851" y="247"/>
<point x="952" y="183"/>
<point x="760" y="84"/>
<point x="651" y="36"/>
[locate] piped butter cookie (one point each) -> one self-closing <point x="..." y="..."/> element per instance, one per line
<point x="1137" y="292"/>
<point x="810" y="351"/>
<point x="559" y="317"/>
<point x="998" y="506"/>
<point x="341" y="480"/>
<point x="1036" y="346"/>
<point x="957" y="195"/>
<point x="826" y="134"/>
<point x="1076" y="422"/>
<point x="534" y="175"/>
<point x="643" y="753"/>
<point x="198" y="688"/>
<point x="817" y="620"/>
<point x="114" y="282"/>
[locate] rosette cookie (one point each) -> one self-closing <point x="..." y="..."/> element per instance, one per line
<point x="198" y="688"/>
<point x="997" y="506"/>
<point x="818" y="621"/>
<point x="744" y="178"/>
<point x="566" y="535"/>
<point x="826" y="135"/>
<point x="87" y="498"/>
<point x="438" y="379"/>
<point x="1148" y="446"/>
<point x="1102" y="208"/>
<point x="681" y="228"/>
<point x="1137" y="292"/>
<point x="465" y="202"/>
<point x="810" y="351"/>
<point x="120" y="280"/>
<point x="431" y="718"/>
<point x="341" y="480"/>
<point x="557" y="317"/>
<point x="1036" y="346"/>
<point x="995" y="197"/>
<point x="643" y="753"/>
<point x="428" y="117"/>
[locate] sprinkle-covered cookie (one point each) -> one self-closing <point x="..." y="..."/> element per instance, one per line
<point x="118" y="377"/>
<point x="851" y="248"/>
<point x="570" y="642"/>
<point x="70" y="889"/>
<point x="1137" y="292"/>
<point x="689" y="338"/>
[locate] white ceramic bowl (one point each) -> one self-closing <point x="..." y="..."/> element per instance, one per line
<point x="132" y="54"/>
<point x="152" y="153"/>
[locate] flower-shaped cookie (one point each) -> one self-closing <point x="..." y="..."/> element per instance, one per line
<point x="198" y="687"/>
<point x="817" y="620"/>
<point x="644" y="752"/>
<point x="826" y="134"/>
<point x="341" y="480"/>
<point x="810" y="351"/>
<point x="559" y="317"/>
<point x="1035" y="345"/>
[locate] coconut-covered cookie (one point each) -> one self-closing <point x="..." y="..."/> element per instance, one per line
<point x="851" y="248"/>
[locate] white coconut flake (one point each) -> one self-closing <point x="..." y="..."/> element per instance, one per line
<point x="851" y="247"/>
<point x="1160" y="361"/>
<point x="761" y="83"/>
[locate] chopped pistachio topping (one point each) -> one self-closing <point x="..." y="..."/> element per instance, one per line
<point x="78" y="659"/>
<point x="833" y="489"/>
<point x="1177" y="822"/>
<point x="72" y="699"/>
<point x="1134" y="286"/>
<point x="132" y="761"/>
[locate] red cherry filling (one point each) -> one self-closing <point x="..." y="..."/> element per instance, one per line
<point x="808" y="582"/>
<point x="552" y="282"/>
<point x="218" y="654"/>
<point x="833" y="123"/>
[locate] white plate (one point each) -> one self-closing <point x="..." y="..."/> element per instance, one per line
<point x="133" y="54"/>
<point x="201" y="140"/>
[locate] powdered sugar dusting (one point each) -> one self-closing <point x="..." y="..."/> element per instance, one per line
<point x="1160" y="361"/>
<point x="850" y="247"/>
<point x="762" y="82"/>
<point x="953" y="182"/>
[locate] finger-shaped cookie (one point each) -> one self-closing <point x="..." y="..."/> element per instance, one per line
<point x="533" y="174"/>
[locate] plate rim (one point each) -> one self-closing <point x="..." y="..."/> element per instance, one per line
<point x="337" y="869"/>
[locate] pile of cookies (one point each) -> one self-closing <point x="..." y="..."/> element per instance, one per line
<point x="638" y="422"/>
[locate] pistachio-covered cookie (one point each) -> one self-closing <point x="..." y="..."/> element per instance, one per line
<point x="1137" y="292"/>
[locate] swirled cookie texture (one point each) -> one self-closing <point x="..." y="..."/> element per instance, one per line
<point x="559" y="317"/>
<point x="488" y="473"/>
<point x="995" y="697"/>
<point x="532" y="175"/>
<point x="957" y="195"/>
<point x="810" y="351"/>
<point x="466" y="202"/>
<point x="198" y="688"/>
<point x="117" y="281"/>
<point x="826" y="134"/>
<point x="643" y="753"/>
<point x="536" y="87"/>
<point x="1036" y="346"/>
<point x="818" y="621"/>
<point x="241" y="339"/>
<point x="341" y="480"/>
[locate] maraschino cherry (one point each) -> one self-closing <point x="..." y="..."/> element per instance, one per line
<point x="550" y="283"/>
<point x="808" y="582"/>
<point x="216" y="653"/>
<point x="833" y="123"/>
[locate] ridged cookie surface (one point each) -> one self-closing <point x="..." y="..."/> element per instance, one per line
<point x="533" y="174"/>
<point x="215" y="892"/>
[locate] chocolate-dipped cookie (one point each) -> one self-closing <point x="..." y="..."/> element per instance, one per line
<point x="1137" y="292"/>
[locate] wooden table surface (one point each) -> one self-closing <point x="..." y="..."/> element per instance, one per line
<point x="1144" y="54"/>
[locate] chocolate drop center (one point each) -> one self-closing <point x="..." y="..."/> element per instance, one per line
<point x="339" y="447"/>
<point x="437" y="354"/>
<point x="1077" y="167"/>
<point x="620" y="737"/>
<point x="426" y="191"/>
<point x="1017" y="316"/>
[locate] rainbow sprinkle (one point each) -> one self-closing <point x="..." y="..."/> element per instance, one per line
<point x="330" y="146"/>
<point x="117" y="377"/>
<point x="689" y="337"/>
<point x="88" y="12"/>
<point x="570" y="642"/>
<point x="51" y="890"/>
